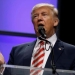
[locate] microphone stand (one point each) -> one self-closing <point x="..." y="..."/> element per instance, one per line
<point x="52" y="56"/>
<point x="52" y="62"/>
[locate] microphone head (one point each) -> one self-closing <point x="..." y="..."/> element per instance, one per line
<point x="41" y="30"/>
<point x="41" y="27"/>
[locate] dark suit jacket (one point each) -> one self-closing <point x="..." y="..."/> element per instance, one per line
<point x="64" y="55"/>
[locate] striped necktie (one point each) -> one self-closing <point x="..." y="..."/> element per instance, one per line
<point x="38" y="59"/>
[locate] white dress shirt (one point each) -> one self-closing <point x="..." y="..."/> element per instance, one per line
<point x="53" y="40"/>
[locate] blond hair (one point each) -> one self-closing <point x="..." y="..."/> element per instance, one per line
<point x="51" y="6"/>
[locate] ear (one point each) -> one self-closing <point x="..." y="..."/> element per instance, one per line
<point x="56" y="21"/>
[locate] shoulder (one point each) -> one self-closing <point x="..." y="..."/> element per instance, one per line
<point x="20" y="47"/>
<point x="68" y="47"/>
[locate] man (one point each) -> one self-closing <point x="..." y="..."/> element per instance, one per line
<point x="64" y="54"/>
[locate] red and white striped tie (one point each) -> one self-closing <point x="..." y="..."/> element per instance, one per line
<point x="38" y="59"/>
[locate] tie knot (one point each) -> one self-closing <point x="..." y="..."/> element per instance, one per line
<point x="41" y="43"/>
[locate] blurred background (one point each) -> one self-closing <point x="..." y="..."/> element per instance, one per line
<point x="16" y="26"/>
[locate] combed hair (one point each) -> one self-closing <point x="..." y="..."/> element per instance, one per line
<point x="51" y="6"/>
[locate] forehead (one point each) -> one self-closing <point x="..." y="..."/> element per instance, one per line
<point x="41" y="9"/>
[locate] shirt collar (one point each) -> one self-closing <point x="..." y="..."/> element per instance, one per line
<point x="52" y="39"/>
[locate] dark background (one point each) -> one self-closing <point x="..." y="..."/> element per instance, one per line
<point x="66" y="26"/>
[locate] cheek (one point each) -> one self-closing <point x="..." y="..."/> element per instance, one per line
<point x="34" y="25"/>
<point x="35" y="28"/>
<point x="50" y="23"/>
<point x="49" y="26"/>
<point x="34" y="21"/>
<point x="47" y="20"/>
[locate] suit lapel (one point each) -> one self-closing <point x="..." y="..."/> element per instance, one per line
<point x="58" y="50"/>
<point x="28" y="50"/>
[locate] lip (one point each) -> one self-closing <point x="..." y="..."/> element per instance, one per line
<point x="40" y="24"/>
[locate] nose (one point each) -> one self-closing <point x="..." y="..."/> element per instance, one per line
<point x="40" y="18"/>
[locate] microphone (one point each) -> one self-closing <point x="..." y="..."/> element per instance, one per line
<point x="43" y="37"/>
<point x="42" y="31"/>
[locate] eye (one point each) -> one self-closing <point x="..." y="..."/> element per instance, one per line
<point x="44" y="14"/>
<point x="35" y="16"/>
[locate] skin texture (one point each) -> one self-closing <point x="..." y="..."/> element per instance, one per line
<point x="44" y="15"/>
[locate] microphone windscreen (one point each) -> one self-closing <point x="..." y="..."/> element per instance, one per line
<point x="40" y="27"/>
<point x="41" y="30"/>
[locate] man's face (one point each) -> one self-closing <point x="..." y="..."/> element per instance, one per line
<point x="44" y="15"/>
